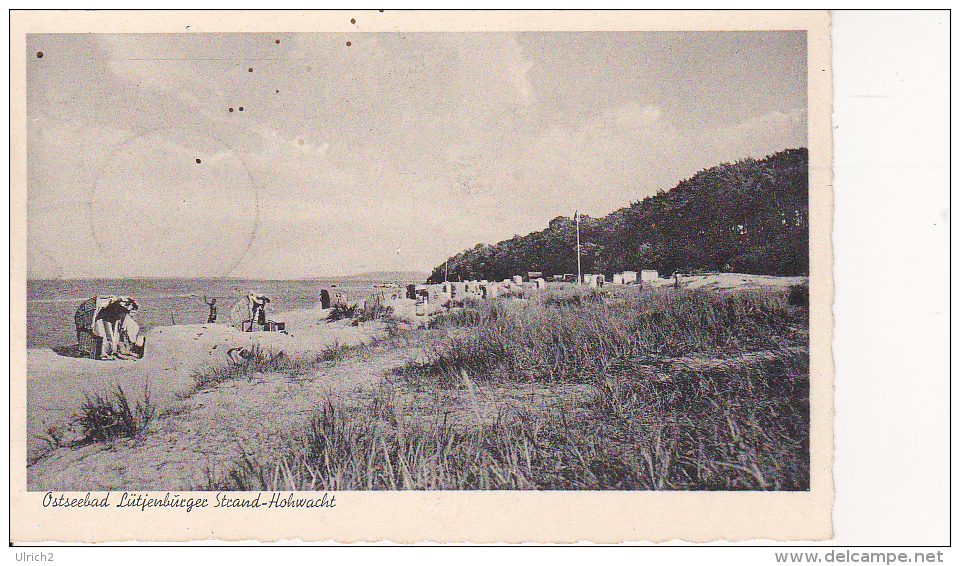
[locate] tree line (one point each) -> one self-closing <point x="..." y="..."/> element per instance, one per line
<point x="747" y="217"/>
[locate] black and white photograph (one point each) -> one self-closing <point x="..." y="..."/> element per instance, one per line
<point x="275" y="268"/>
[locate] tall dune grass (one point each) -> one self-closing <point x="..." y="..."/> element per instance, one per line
<point x="692" y="391"/>
<point x="578" y="336"/>
<point x="111" y="416"/>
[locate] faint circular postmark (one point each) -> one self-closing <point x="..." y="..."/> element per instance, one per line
<point x="153" y="209"/>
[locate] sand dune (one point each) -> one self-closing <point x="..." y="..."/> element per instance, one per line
<point x="202" y="436"/>
<point x="56" y="384"/>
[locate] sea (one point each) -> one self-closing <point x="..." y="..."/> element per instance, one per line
<point x="52" y="303"/>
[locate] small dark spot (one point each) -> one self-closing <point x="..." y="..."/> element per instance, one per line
<point x="241" y="108"/>
<point x="349" y="44"/>
<point x="353" y="21"/>
<point x="250" y="70"/>
<point x="39" y="54"/>
<point x="278" y="91"/>
<point x="198" y="160"/>
<point x="231" y="109"/>
<point x="381" y="11"/>
<point x="278" y="42"/>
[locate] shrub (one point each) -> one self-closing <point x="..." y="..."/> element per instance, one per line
<point x="245" y="363"/>
<point x="799" y="295"/>
<point x="780" y="258"/>
<point x="340" y="311"/>
<point x="374" y="309"/>
<point x="104" y="417"/>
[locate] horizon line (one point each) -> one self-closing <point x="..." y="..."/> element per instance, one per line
<point x="212" y="277"/>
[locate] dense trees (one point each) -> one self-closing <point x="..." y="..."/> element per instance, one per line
<point x="747" y="217"/>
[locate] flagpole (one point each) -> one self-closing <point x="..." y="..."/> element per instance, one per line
<point x="579" y="276"/>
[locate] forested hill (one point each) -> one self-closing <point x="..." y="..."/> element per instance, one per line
<point x="747" y="217"/>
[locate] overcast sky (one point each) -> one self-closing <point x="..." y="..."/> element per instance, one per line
<point x="391" y="153"/>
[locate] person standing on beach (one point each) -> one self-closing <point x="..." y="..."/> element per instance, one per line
<point x="212" y="303"/>
<point x="256" y="307"/>
<point x="261" y="307"/>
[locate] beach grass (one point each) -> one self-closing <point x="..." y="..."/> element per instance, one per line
<point x="109" y="416"/>
<point x="687" y="390"/>
<point x="256" y="360"/>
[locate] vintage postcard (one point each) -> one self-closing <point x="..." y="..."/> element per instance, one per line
<point x="421" y="276"/>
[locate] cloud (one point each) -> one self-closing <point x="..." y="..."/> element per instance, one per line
<point x="632" y="115"/>
<point x="277" y="145"/>
<point x="519" y="69"/>
<point x="426" y="143"/>
<point x="773" y="122"/>
<point x="755" y="137"/>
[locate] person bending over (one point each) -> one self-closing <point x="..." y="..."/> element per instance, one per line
<point x="109" y="323"/>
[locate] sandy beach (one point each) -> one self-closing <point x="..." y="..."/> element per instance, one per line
<point x="56" y="384"/>
<point x="199" y="434"/>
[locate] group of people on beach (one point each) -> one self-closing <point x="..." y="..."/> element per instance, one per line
<point x="107" y="328"/>
<point x="245" y="314"/>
